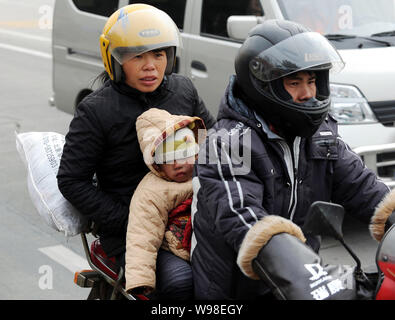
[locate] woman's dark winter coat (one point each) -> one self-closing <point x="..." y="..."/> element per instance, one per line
<point x="102" y="140"/>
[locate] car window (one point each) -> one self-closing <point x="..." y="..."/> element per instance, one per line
<point x="99" y="7"/>
<point x="174" y="8"/>
<point x="215" y="13"/>
<point x="353" y="17"/>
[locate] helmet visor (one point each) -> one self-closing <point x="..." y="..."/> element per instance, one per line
<point x="308" y="50"/>
<point x="142" y="31"/>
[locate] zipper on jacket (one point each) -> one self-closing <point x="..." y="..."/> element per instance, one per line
<point x="292" y="163"/>
<point x="296" y="148"/>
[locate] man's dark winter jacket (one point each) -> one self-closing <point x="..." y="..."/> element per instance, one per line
<point x="269" y="177"/>
<point x="102" y="139"/>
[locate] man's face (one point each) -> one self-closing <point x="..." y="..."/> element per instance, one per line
<point x="145" y="72"/>
<point x="301" y="86"/>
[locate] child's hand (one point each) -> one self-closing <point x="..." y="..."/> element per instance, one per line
<point x="145" y="290"/>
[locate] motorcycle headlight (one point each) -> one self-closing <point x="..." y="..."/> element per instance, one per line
<point x="349" y="106"/>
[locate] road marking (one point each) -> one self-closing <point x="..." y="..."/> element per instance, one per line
<point x="24" y="35"/>
<point x="27" y="51"/>
<point x="31" y="24"/>
<point x="67" y="258"/>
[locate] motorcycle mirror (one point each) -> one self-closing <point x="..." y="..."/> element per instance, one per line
<point x="324" y="218"/>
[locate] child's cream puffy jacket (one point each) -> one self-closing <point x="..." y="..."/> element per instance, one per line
<point x="153" y="199"/>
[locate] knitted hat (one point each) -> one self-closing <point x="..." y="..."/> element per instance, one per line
<point x="179" y="145"/>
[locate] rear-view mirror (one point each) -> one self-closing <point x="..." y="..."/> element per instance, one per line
<point x="324" y="218"/>
<point x="239" y="26"/>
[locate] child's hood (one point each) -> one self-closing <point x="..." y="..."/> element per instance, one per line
<point x="155" y="125"/>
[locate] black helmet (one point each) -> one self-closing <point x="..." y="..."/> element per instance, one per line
<point x="278" y="48"/>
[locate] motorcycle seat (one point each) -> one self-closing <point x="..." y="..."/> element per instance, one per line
<point x="101" y="261"/>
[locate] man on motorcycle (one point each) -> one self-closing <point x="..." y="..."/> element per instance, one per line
<point x="274" y="151"/>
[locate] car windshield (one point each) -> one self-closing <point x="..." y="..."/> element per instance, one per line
<point x="345" y="17"/>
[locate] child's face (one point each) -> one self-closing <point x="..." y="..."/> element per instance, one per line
<point x="179" y="170"/>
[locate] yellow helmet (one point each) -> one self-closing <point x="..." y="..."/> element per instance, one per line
<point x="133" y="30"/>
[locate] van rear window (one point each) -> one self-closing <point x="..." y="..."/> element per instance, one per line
<point x="99" y="7"/>
<point x="174" y="8"/>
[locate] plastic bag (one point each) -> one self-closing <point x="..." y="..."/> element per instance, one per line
<point x="41" y="152"/>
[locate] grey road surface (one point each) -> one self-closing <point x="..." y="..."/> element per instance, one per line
<point x="29" y="268"/>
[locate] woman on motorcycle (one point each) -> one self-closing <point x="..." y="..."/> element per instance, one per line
<point x="138" y="47"/>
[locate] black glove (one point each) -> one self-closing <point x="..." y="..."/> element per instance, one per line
<point x="294" y="272"/>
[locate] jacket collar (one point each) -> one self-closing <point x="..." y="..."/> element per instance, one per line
<point x="145" y="97"/>
<point x="236" y="103"/>
<point x="265" y="128"/>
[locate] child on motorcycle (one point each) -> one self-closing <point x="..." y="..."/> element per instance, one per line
<point x="169" y="144"/>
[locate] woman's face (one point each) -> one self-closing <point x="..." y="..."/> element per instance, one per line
<point x="145" y="72"/>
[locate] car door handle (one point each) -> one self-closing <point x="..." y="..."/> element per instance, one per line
<point x="198" y="66"/>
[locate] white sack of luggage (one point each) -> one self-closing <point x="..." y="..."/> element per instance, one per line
<point x="41" y="152"/>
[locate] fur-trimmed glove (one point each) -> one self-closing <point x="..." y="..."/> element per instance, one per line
<point x="383" y="217"/>
<point x="259" y="235"/>
<point x="294" y="272"/>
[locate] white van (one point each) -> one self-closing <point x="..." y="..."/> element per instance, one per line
<point x="212" y="30"/>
